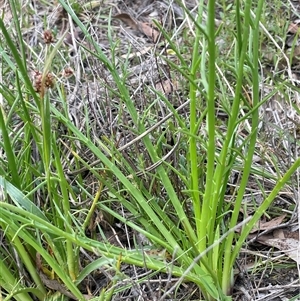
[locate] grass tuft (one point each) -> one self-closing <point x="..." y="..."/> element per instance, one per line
<point x="115" y="156"/>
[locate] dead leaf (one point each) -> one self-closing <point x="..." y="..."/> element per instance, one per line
<point x="261" y="226"/>
<point x="289" y="246"/>
<point x="285" y="241"/>
<point x="144" y="28"/>
<point x="149" y="31"/>
<point x="56" y="286"/>
<point x="280" y="233"/>
<point x="167" y="86"/>
<point x="294" y="27"/>
<point x="128" y="20"/>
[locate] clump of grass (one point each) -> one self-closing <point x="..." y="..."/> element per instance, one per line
<point x="180" y="209"/>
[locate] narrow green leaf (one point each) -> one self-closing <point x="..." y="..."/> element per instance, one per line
<point x="9" y="152"/>
<point x="20" y="199"/>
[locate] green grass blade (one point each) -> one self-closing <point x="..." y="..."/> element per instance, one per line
<point x="10" y="284"/>
<point x="9" y="152"/>
<point x="20" y="199"/>
<point x="19" y="63"/>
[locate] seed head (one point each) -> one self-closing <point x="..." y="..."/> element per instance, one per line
<point x="37" y="77"/>
<point x="48" y="36"/>
<point x="67" y="72"/>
